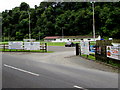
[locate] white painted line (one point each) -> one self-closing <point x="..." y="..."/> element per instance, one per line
<point x="21" y="70"/>
<point x="79" y="87"/>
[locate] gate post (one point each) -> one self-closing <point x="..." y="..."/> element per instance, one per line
<point x="77" y="49"/>
<point x="45" y="47"/>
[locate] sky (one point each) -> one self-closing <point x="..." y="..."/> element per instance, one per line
<point x="9" y="4"/>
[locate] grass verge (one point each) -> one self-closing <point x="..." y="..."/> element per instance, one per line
<point x="112" y="63"/>
<point x="89" y="57"/>
<point x="15" y="50"/>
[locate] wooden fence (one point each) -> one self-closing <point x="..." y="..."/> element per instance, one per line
<point x="5" y="47"/>
<point x="101" y="52"/>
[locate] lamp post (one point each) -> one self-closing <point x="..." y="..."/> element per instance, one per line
<point x="29" y="26"/>
<point x="93" y="19"/>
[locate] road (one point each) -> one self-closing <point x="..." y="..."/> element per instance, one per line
<point x="42" y="70"/>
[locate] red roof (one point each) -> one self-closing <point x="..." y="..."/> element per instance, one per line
<point x="51" y="37"/>
<point x="56" y="37"/>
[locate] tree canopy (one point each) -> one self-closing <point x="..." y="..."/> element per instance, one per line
<point x="49" y="18"/>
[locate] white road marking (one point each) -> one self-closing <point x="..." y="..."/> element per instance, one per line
<point x="21" y="70"/>
<point x="79" y="87"/>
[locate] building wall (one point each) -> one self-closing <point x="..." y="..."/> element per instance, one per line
<point x="73" y="39"/>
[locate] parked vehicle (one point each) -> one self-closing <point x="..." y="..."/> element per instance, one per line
<point x="69" y="44"/>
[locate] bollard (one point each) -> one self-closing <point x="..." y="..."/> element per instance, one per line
<point x="46" y="47"/>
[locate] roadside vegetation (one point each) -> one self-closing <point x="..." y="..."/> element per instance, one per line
<point x="91" y="57"/>
<point x="49" y="18"/>
<point x="112" y="63"/>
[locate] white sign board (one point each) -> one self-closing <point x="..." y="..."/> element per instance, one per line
<point x="32" y="45"/>
<point x="113" y="52"/>
<point x="84" y="47"/>
<point x="15" y="45"/>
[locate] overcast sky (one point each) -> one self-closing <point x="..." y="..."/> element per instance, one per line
<point x="9" y="4"/>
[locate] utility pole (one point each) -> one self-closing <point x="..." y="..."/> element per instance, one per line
<point x="93" y="19"/>
<point x="62" y="33"/>
<point x="29" y="26"/>
<point x="39" y="35"/>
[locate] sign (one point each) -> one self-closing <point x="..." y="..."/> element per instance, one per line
<point x="32" y="45"/>
<point x="113" y="52"/>
<point x="15" y="45"/>
<point x="84" y="47"/>
<point x="92" y="48"/>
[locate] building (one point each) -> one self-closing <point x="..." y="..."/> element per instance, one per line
<point x="70" y="38"/>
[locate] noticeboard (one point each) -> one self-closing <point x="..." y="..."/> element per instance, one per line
<point x="15" y="45"/>
<point x="84" y="47"/>
<point x="32" y="45"/>
<point x="113" y="52"/>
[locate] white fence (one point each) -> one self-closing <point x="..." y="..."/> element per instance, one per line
<point x="24" y="46"/>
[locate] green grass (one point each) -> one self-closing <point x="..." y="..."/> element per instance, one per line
<point x="48" y="43"/>
<point x="14" y="50"/>
<point x="89" y="56"/>
<point x="116" y="64"/>
<point x="3" y="42"/>
<point x="7" y="42"/>
<point x="55" y="43"/>
<point x="111" y="62"/>
<point x="92" y="43"/>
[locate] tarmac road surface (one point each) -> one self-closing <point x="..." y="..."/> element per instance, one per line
<point x="40" y="70"/>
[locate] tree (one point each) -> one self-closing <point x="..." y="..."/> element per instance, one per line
<point x="50" y="18"/>
<point x="24" y="6"/>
